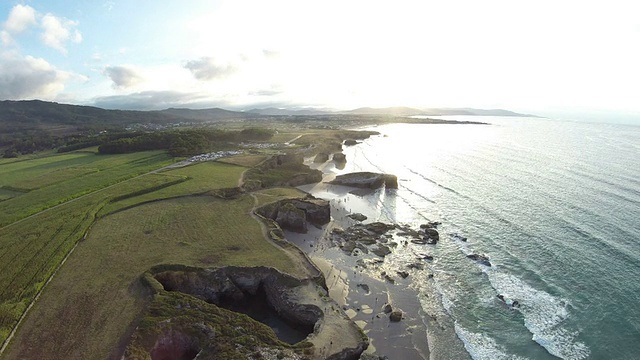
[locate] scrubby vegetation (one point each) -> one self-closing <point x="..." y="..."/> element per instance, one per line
<point x="185" y="142"/>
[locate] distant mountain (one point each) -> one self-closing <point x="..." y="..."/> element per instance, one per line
<point x="288" y="112"/>
<point x="477" y="112"/>
<point x="407" y="111"/>
<point x="33" y="113"/>
<point x="395" y="111"/>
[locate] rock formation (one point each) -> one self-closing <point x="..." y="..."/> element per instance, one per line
<point x="367" y="180"/>
<point x="189" y="327"/>
<point x="481" y="259"/>
<point x="339" y="157"/>
<point x="293" y="214"/>
<point x="320" y="158"/>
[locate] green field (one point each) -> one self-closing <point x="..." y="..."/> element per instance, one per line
<point x="46" y="182"/>
<point x="98" y="292"/>
<point x="32" y="249"/>
<point x="136" y="223"/>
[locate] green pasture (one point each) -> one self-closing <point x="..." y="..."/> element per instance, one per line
<point x="32" y="249"/>
<point x="46" y="182"/>
<point x="244" y="160"/>
<point x="274" y="194"/>
<point x="200" y="178"/>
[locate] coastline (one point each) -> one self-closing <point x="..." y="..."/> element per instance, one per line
<point x="360" y="284"/>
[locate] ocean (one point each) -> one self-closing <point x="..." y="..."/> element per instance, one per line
<point x="554" y="205"/>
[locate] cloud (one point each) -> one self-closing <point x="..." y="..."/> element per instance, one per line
<point x="155" y="100"/>
<point x="206" y="68"/>
<point x="20" y="18"/>
<point x="58" y="31"/>
<point x="5" y="37"/>
<point x="123" y="76"/>
<point x="29" y="77"/>
<point x="268" y="53"/>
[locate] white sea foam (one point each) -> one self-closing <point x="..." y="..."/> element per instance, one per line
<point x="544" y="316"/>
<point x="481" y="346"/>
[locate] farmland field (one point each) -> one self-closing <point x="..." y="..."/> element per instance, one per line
<point x="98" y="292"/>
<point x="32" y="249"/>
<point x="48" y="181"/>
<point x="129" y="224"/>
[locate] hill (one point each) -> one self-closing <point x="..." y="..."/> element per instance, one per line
<point x="35" y="113"/>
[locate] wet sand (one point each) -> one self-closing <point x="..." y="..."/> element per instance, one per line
<point x="362" y="294"/>
<point x="362" y="291"/>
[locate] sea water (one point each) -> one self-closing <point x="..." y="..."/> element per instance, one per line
<point x="555" y="206"/>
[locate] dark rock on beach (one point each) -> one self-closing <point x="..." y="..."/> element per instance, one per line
<point x="430" y="225"/>
<point x="387" y="308"/>
<point x="357" y="217"/>
<point x="339" y="158"/>
<point x="433" y="234"/>
<point x="350" y="142"/>
<point x="456" y="236"/>
<point x="368" y="180"/>
<point x="395" y="316"/>
<point x="320" y="158"/>
<point x="292" y="218"/>
<point x="293" y="214"/>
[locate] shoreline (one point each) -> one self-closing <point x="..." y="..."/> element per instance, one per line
<point x="363" y="291"/>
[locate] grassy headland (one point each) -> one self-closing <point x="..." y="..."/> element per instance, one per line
<point x="131" y="218"/>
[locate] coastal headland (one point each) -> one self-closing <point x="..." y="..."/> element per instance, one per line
<point x="147" y="259"/>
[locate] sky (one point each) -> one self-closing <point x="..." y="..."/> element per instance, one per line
<point x="560" y="57"/>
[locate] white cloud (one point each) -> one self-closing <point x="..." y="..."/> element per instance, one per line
<point x="206" y="68"/>
<point x="29" y="77"/>
<point x="20" y="18"/>
<point x="123" y="76"/>
<point x="58" y="31"/>
<point x="5" y="37"/>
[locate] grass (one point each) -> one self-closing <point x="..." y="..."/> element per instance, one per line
<point x="32" y="249"/>
<point x="244" y="160"/>
<point x="100" y="282"/>
<point x="274" y="194"/>
<point x="200" y="178"/>
<point x="52" y="185"/>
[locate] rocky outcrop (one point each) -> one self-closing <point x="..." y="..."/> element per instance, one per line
<point x="317" y="211"/>
<point x="364" y="237"/>
<point x="350" y="142"/>
<point x="320" y="158"/>
<point x="297" y="302"/>
<point x="292" y="218"/>
<point x="481" y="259"/>
<point x="395" y="316"/>
<point x="339" y="158"/>
<point x="293" y="214"/>
<point x="175" y="345"/>
<point x="367" y="180"/>
<point x="357" y="217"/>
